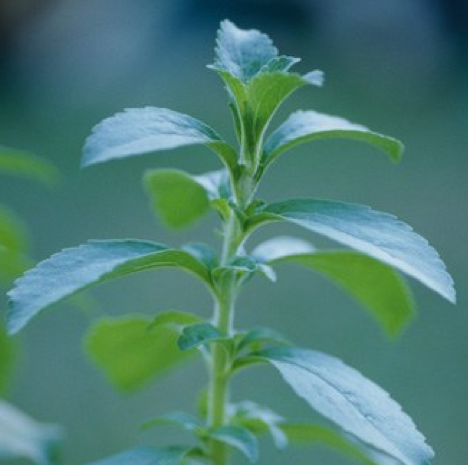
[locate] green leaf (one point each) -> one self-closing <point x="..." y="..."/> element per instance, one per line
<point x="182" y="419"/>
<point x="267" y="91"/>
<point x="14" y="244"/>
<point x="147" y="456"/>
<point x="255" y="337"/>
<point x="280" y="247"/>
<point x="357" y="405"/>
<point x="7" y="356"/>
<point x="304" y="433"/>
<point x="175" y="319"/>
<point x="375" y="285"/>
<point x="25" y="164"/>
<point x="238" y="437"/>
<point x="242" y="53"/>
<point x="175" y="197"/>
<point x="23" y="437"/>
<point x="137" y="131"/>
<point x="75" y="269"/>
<point x="198" y="334"/>
<point x="259" y="419"/>
<point x="133" y="350"/>
<point x="305" y="126"/>
<point x="379" y="235"/>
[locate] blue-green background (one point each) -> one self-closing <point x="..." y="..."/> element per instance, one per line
<point x="399" y="67"/>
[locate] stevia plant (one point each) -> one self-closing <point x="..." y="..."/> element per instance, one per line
<point x="370" y="427"/>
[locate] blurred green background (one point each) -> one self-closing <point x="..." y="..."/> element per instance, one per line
<point x="399" y="67"/>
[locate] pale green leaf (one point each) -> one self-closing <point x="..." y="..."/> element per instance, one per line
<point x="377" y="234"/>
<point x="305" y="126"/>
<point x="238" y="437"/>
<point x="138" y="131"/>
<point x="147" y="456"/>
<point x="355" y="404"/>
<point x="198" y="334"/>
<point x="242" y="53"/>
<point x="175" y="197"/>
<point x="25" y="164"/>
<point x="23" y="437"/>
<point x="259" y="419"/>
<point x="182" y="419"/>
<point x="75" y="269"/>
<point x="175" y="319"/>
<point x="280" y="247"/>
<point x="309" y="434"/>
<point x="133" y="350"/>
<point x="375" y="285"/>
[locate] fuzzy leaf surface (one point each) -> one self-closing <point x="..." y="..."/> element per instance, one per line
<point x="75" y="269"/>
<point x="357" y="405"/>
<point x="305" y="126"/>
<point x="132" y="350"/>
<point x="21" y="437"/>
<point x="242" y="53"/>
<point x="137" y="131"/>
<point x="372" y="283"/>
<point x="21" y="163"/>
<point x="146" y="456"/>
<point x="175" y="197"/>
<point x="377" y="234"/>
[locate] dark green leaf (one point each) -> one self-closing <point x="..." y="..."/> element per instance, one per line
<point x="198" y="334"/>
<point x="133" y="350"/>
<point x="175" y="197"/>
<point x="27" y="165"/>
<point x="238" y="437"/>
<point x="375" y="285"/>
<point x="138" y="131"/>
<point x="357" y="405"/>
<point x="75" y="269"/>
<point x="23" y="437"/>
<point x="242" y="53"/>
<point x="147" y="456"/>
<point x="379" y="235"/>
<point x="305" y="126"/>
<point x="303" y="433"/>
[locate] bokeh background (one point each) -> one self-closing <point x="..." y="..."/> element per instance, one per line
<point x="400" y="67"/>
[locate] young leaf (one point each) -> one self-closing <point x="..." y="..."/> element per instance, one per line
<point x="238" y="437"/>
<point x="304" y="433"/>
<point x="198" y="334"/>
<point x="379" y="235"/>
<point x="357" y="405"/>
<point x="75" y="269"/>
<point x="175" y="197"/>
<point x="182" y="419"/>
<point x="242" y="53"/>
<point x="375" y="285"/>
<point x="147" y="456"/>
<point x="258" y="336"/>
<point x="25" y="164"/>
<point x="305" y="126"/>
<point x="281" y="247"/>
<point x="258" y="419"/>
<point x="138" y="131"/>
<point x="21" y="437"/>
<point x="132" y="350"/>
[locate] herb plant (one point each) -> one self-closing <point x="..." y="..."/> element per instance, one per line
<point x="371" y="427"/>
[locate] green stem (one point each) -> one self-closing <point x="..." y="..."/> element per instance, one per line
<point x="220" y="366"/>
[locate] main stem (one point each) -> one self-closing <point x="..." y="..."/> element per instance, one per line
<point x="220" y="366"/>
